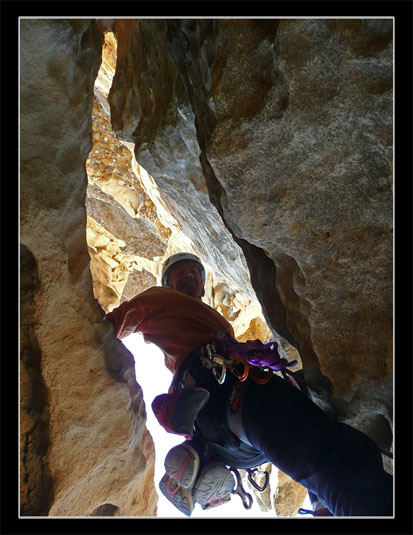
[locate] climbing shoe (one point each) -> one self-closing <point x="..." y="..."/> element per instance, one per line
<point x="181" y="466"/>
<point x="214" y="486"/>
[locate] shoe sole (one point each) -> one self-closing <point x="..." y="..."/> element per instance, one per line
<point x="182" y="463"/>
<point x="181" y="498"/>
<point x="214" y="485"/>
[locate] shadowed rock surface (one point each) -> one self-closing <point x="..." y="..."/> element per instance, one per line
<point x="262" y="146"/>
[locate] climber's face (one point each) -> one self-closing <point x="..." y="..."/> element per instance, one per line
<point x="186" y="278"/>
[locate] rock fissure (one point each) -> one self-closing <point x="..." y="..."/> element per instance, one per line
<point x="261" y="267"/>
<point x="262" y="146"/>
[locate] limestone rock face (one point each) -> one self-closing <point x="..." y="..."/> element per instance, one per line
<point x="133" y="226"/>
<point x="124" y="233"/>
<point x="262" y="146"/>
<point x="287" y="126"/>
<point x="36" y="489"/>
<point x="84" y="446"/>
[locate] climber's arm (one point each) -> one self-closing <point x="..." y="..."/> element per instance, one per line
<point x="117" y="356"/>
<point x="127" y="317"/>
<point x="122" y="321"/>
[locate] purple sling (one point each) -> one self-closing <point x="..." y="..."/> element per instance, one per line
<point x="254" y="351"/>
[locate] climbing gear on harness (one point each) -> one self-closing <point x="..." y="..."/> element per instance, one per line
<point x="254" y="352"/>
<point x="248" y="372"/>
<point x="224" y="352"/>
<point x="214" y="361"/>
<point x="220" y="364"/>
<point x="242" y="493"/>
<point x="179" y="257"/>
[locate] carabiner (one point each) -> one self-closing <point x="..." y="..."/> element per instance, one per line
<point x="246" y="371"/>
<point x="251" y="473"/>
<point x="263" y="380"/>
<point x="220" y="378"/>
<point x="245" y="496"/>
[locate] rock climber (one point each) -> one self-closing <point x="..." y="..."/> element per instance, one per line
<point x="232" y="422"/>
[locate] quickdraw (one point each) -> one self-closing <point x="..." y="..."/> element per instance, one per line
<point x="219" y="365"/>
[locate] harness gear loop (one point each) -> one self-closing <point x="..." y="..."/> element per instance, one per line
<point x="239" y="489"/>
<point x="251" y="474"/>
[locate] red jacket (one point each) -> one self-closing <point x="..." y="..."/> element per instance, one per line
<point x="174" y="321"/>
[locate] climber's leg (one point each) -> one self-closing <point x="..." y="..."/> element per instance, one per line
<point x="339" y="464"/>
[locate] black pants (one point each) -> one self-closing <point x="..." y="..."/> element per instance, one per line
<point x="339" y="464"/>
<point x="334" y="461"/>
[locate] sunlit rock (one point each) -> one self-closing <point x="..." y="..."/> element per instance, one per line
<point x="83" y="437"/>
<point x="262" y="146"/>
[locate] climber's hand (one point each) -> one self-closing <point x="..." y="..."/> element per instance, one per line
<point x="117" y="356"/>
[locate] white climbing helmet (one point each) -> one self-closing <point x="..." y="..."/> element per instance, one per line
<point x="179" y="257"/>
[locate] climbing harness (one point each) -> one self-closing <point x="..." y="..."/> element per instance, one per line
<point x="261" y="374"/>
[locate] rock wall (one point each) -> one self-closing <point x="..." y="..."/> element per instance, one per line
<point x="132" y="227"/>
<point x="287" y="126"/>
<point x="264" y="147"/>
<point x="84" y="447"/>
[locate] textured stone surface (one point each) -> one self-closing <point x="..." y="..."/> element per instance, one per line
<point x="124" y="234"/>
<point x="288" y="497"/>
<point x="286" y="125"/>
<point x="292" y="127"/>
<point x="84" y="442"/>
<point x="265" y="147"/>
<point x="156" y="226"/>
<point x="36" y="487"/>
